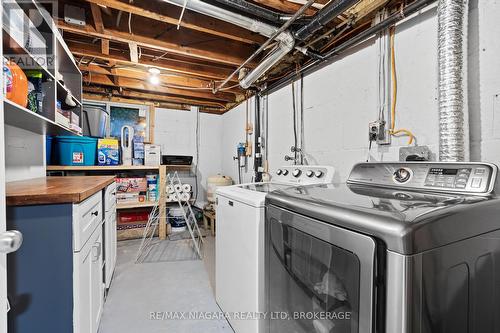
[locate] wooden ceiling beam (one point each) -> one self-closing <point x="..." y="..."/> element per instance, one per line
<point x="96" y="15"/>
<point x="169" y="79"/>
<point x="190" y="20"/>
<point x="158" y="104"/>
<point x="173" y="66"/>
<point x="223" y="53"/>
<point x="100" y="79"/>
<point x="151" y="96"/>
<point x="99" y="26"/>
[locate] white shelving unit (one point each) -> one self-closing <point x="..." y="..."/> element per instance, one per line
<point x="59" y="63"/>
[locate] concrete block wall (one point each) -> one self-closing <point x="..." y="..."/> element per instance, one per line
<point x="175" y="131"/>
<point x="341" y="99"/>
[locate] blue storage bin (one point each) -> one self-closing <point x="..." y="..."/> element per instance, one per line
<point x="75" y="150"/>
<point x="48" y="149"/>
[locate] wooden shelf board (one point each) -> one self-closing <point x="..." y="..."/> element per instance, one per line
<point x="135" y="205"/>
<point x="112" y="167"/>
<point x="62" y="87"/>
<point x="18" y="116"/>
<point x="100" y="168"/>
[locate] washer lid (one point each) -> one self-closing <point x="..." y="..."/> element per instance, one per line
<point x="407" y="222"/>
<point x="253" y="194"/>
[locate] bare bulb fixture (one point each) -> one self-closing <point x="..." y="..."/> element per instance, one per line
<point x="154" y="79"/>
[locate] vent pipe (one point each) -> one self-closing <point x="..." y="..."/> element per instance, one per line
<point x="285" y="40"/>
<point x="323" y="17"/>
<point x="452" y="63"/>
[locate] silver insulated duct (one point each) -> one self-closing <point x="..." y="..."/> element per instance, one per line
<point x="285" y="40"/>
<point x="452" y="62"/>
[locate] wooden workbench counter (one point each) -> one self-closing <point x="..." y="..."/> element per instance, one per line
<point x="54" y="190"/>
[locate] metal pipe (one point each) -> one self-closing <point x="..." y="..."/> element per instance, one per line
<point x="323" y="17"/>
<point x="286" y="42"/>
<point x="255" y="10"/>
<point x="331" y="55"/>
<point x="245" y="22"/>
<point x="452" y="21"/>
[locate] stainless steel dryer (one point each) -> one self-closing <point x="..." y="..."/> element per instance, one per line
<point x="399" y="248"/>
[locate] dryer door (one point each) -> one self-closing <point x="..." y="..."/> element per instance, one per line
<point x="319" y="277"/>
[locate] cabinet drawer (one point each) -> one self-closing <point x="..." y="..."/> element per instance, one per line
<point x="87" y="215"/>
<point x="110" y="198"/>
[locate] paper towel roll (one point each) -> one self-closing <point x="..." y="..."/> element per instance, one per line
<point x="169" y="198"/>
<point x="178" y="187"/>
<point x="174" y="197"/>
<point x="186" y="188"/>
<point x="185" y="196"/>
<point x="170" y="189"/>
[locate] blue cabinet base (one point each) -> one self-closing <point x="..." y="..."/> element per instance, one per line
<point x="40" y="274"/>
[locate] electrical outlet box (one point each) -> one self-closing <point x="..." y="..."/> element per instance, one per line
<point x="377" y="132"/>
<point x="415" y="154"/>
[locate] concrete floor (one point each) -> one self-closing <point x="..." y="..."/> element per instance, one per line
<point x="138" y="290"/>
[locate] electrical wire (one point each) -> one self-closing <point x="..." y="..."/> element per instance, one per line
<point x="197" y="145"/>
<point x="302" y="140"/>
<point x="393" y="130"/>
<point x="295" y="141"/>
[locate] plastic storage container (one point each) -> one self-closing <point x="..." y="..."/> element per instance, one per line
<point x="48" y="149"/>
<point x="176" y="219"/>
<point x="213" y="182"/>
<point x="74" y="150"/>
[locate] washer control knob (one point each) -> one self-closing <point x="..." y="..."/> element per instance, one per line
<point x="318" y="174"/>
<point x="402" y="175"/>
<point x="285" y="172"/>
<point x="279" y="172"/>
<point x="296" y="173"/>
<point x="309" y="173"/>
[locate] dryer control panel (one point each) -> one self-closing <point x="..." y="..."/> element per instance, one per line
<point x="467" y="178"/>
<point x="304" y="174"/>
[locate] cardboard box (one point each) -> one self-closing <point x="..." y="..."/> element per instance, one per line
<point x="133" y="217"/>
<point x="108" y="152"/>
<point x="130" y="197"/>
<point x="152" y="154"/>
<point x="131" y="185"/>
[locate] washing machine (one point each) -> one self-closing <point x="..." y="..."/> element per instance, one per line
<point x="398" y="248"/>
<point x="239" y="243"/>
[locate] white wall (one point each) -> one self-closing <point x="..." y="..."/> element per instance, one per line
<point x="175" y="131"/>
<point x="341" y="99"/>
<point x="24" y="154"/>
<point x="233" y="124"/>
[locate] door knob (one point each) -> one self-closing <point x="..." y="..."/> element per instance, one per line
<point x="10" y="241"/>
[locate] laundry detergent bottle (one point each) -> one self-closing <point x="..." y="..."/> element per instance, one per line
<point x="16" y="83"/>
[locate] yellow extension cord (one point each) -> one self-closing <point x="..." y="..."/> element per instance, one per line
<point x="392" y="130"/>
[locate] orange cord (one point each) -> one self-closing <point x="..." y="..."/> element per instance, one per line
<point x="392" y="130"/>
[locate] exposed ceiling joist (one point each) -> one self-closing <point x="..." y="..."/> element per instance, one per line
<point x="96" y="15"/>
<point x="190" y="20"/>
<point x="170" y="79"/>
<point x="158" y="104"/>
<point x="139" y="84"/>
<point x="150" y="97"/>
<point x="182" y="68"/>
<point x="224" y="53"/>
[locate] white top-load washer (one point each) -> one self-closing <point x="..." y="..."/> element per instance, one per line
<point x="239" y="243"/>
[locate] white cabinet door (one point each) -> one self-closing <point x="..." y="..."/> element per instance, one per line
<point x="110" y="247"/>
<point x="82" y="291"/>
<point x="97" y="280"/>
<point x="88" y="286"/>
